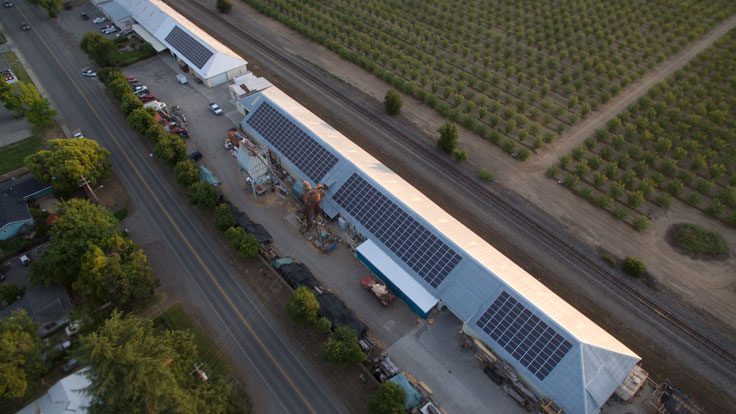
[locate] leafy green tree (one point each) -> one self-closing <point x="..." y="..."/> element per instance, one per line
<point x="634" y="267"/>
<point x="20" y="359"/>
<point x="155" y="133"/>
<point x="447" y="141"/>
<point x="67" y="160"/>
<point x="242" y="241"/>
<point x="171" y="148"/>
<point x="140" y="120"/>
<point x="224" y="218"/>
<point x="303" y="306"/>
<point x="9" y="97"/>
<point x="224" y="6"/>
<point x="187" y="173"/>
<point x="342" y="347"/>
<point x="9" y="293"/>
<point x="389" y="398"/>
<point x="132" y="368"/>
<point x="36" y="108"/>
<point x="117" y="271"/>
<point x="202" y="195"/>
<point x="324" y="325"/>
<point x="129" y="103"/>
<point x="392" y="102"/>
<point x="99" y="48"/>
<point x="53" y="7"/>
<point x="81" y="223"/>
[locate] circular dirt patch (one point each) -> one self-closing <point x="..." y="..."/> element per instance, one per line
<point x="697" y="242"/>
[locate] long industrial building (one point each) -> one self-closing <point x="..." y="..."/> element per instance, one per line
<point x="429" y="257"/>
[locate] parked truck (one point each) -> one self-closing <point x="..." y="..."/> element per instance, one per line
<point x="379" y="290"/>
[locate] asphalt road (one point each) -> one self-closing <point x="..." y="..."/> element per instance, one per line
<point x="261" y="343"/>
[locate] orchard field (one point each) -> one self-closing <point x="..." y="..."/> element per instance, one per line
<point x="517" y="72"/>
<point x="677" y="142"/>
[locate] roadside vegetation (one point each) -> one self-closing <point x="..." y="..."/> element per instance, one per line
<point x="517" y="73"/>
<point x="696" y="241"/>
<point x="677" y="142"/>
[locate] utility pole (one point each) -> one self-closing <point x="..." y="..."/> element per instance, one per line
<point x="84" y="182"/>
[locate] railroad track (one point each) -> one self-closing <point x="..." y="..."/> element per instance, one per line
<point x="485" y="195"/>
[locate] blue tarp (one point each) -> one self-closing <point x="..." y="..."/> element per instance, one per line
<point x="413" y="397"/>
<point x="208" y="176"/>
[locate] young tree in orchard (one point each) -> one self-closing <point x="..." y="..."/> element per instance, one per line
<point x="135" y="369"/>
<point x="447" y="141"/>
<point x="20" y="359"/>
<point x="393" y="102"/>
<point x="303" y="306"/>
<point x="81" y="223"/>
<point x="68" y="160"/>
<point x="342" y="347"/>
<point x="389" y="398"/>
<point x="116" y="270"/>
<point x="224" y="6"/>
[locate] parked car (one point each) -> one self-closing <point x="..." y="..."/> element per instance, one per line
<point x="70" y="365"/>
<point x="25" y="260"/>
<point x="215" y="109"/>
<point x="89" y="73"/>
<point x="147" y="98"/>
<point x="52" y="327"/>
<point x="77" y="133"/>
<point x="72" y="328"/>
<point x="62" y="346"/>
<point x="25" y="27"/>
<point x="98" y="20"/>
<point x="131" y="79"/>
<point x="181" y="78"/>
<point x="195" y="155"/>
<point x="8" y="5"/>
<point x="109" y="30"/>
<point x="84" y="16"/>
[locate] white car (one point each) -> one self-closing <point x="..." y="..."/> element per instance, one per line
<point x="109" y="30"/>
<point x="89" y="73"/>
<point x="215" y="109"/>
<point x="25" y="260"/>
<point x="77" y="133"/>
<point x="98" y="20"/>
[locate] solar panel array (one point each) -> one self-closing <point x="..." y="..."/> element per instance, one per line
<point x="426" y="254"/>
<point x="524" y="335"/>
<point x="295" y="144"/>
<point x="189" y="47"/>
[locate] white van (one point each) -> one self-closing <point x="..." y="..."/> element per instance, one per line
<point x="181" y="78"/>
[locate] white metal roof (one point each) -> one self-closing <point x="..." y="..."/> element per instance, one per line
<point x="402" y="280"/>
<point x="159" y="19"/>
<point x="148" y="37"/>
<point x="114" y="10"/>
<point x="65" y="397"/>
<point x="597" y="362"/>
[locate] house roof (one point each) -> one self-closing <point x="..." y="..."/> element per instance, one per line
<point x="114" y="10"/>
<point x="65" y="397"/>
<point x="13" y="196"/>
<point x="592" y="364"/>
<point x="204" y="54"/>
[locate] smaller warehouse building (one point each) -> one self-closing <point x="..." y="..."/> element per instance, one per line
<point x="116" y="13"/>
<point x="194" y="49"/>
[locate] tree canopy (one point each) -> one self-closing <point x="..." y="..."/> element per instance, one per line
<point x="187" y="174"/>
<point x="202" y="195"/>
<point x="20" y="359"/>
<point x="66" y="160"/>
<point x="36" y="108"/>
<point x="116" y="270"/>
<point x="389" y="398"/>
<point x="342" y="347"/>
<point x="81" y="223"/>
<point x="244" y="242"/>
<point x="447" y="141"/>
<point x="99" y="48"/>
<point x="224" y="218"/>
<point x="171" y="148"/>
<point x="303" y="306"/>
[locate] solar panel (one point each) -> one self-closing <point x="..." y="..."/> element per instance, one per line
<point x="295" y="144"/>
<point x="189" y="47"/>
<point x="421" y="250"/>
<point x="524" y="335"/>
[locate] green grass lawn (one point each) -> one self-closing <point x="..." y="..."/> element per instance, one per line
<point x="17" y="67"/>
<point x="11" y="156"/>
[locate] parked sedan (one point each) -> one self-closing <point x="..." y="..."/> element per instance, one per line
<point x="84" y="16"/>
<point x="215" y="109"/>
<point x="98" y="20"/>
<point x="8" y="4"/>
<point x="25" y="27"/>
<point x="109" y="30"/>
<point x="89" y="73"/>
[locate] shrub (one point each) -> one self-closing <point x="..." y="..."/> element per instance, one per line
<point x="392" y="102"/>
<point x="696" y="240"/>
<point x="552" y="171"/>
<point x="187" y="174"/>
<point x="633" y="267"/>
<point x="202" y="195"/>
<point x="242" y="241"/>
<point x="342" y="347"/>
<point x="389" y="398"/>
<point x="641" y="223"/>
<point x="224" y="218"/>
<point x="9" y="293"/>
<point x="447" y="141"/>
<point x="224" y="6"/>
<point x="485" y="175"/>
<point x="459" y="154"/>
<point x="324" y="325"/>
<point x="303" y="306"/>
